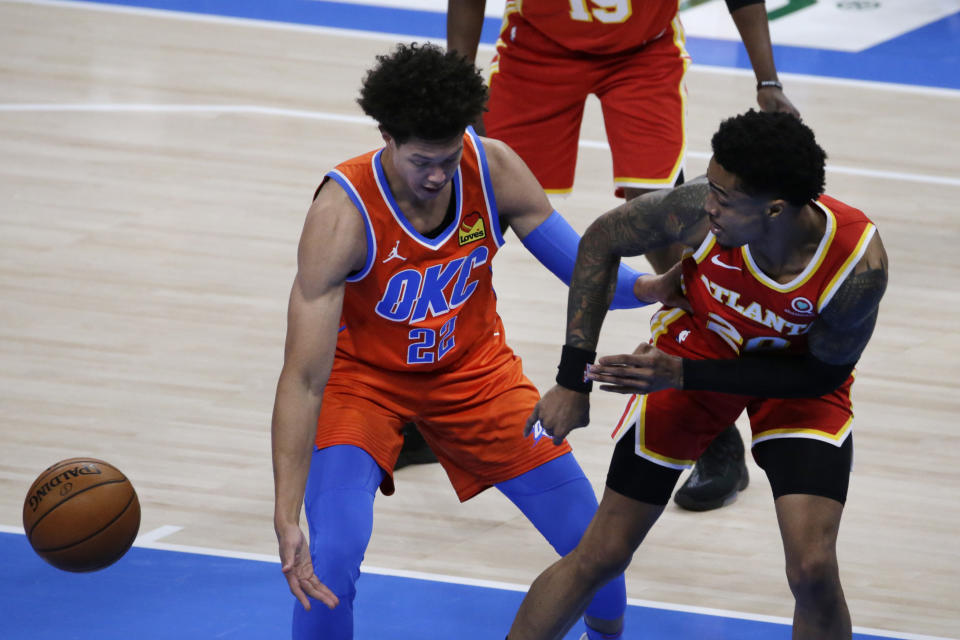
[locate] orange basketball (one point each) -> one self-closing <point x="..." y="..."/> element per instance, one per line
<point x="81" y="514"/>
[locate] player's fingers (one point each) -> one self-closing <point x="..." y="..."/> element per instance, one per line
<point x="295" y="589"/>
<point x="319" y="591"/>
<point x="532" y="420"/>
<point x="613" y="388"/>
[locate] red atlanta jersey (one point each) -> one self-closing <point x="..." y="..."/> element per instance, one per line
<point x="738" y="308"/>
<point x="609" y="26"/>
<point x="419" y="303"/>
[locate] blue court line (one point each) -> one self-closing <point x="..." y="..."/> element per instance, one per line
<point x="153" y="594"/>
<point x="928" y="56"/>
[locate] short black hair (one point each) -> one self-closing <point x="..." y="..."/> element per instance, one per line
<point x="771" y="154"/>
<point x="423" y="91"/>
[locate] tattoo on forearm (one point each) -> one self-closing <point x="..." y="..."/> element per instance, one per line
<point x="657" y="219"/>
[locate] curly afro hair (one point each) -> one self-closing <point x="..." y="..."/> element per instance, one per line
<point x="424" y="92"/>
<point x="771" y="154"/>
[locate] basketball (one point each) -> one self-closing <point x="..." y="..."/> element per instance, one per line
<point x="81" y="514"/>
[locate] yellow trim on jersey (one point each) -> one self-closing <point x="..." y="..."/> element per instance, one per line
<point x="653" y="455"/>
<point x="846" y="267"/>
<point x="828" y="235"/>
<point x="559" y="191"/>
<point x="705" y="247"/>
<point x="661" y="320"/>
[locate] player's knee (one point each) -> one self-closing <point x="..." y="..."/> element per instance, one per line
<point x="814" y="576"/>
<point x="603" y="560"/>
<point x="337" y="564"/>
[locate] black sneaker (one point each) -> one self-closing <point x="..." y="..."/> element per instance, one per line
<point x="720" y="473"/>
<point x="415" y="449"/>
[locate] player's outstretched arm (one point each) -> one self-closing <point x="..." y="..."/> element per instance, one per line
<point x="654" y="220"/>
<point x="332" y="245"/>
<point x="524" y="207"/>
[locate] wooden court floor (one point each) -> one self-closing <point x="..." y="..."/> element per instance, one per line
<point x="154" y="175"/>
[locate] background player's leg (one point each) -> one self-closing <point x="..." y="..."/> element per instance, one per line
<point x="558" y="499"/>
<point x="809" y="480"/>
<point x="341" y="487"/>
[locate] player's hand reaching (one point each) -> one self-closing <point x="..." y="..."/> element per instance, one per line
<point x="773" y="99"/>
<point x="645" y="370"/>
<point x="298" y="568"/>
<point x="664" y="288"/>
<point x="559" y="412"/>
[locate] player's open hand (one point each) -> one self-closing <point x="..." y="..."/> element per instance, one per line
<point x="645" y="370"/>
<point x="298" y="568"/>
<point x="559" y="412"/>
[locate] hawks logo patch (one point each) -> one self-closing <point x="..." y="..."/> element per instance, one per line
<point x="471" y="229"/>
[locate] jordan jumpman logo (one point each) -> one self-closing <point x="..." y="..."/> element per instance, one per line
<point x="393" y="254"/>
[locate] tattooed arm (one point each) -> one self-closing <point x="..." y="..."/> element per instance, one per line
<point x="654" y="220"/>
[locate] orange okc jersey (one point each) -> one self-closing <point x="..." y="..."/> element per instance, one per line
<point x="737" y="308"/>
<point x="420" y="303"/>
<point x="610" y="26"/>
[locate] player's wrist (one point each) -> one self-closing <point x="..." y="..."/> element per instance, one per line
<point x="572" y="370"/>
<point x="769" y="84"/>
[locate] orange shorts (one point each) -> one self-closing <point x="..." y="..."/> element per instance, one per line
<point x="472" y="416"/>
<point x="537" y="94"/>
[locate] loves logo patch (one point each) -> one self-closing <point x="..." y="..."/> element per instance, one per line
<point x="471" y="229"/>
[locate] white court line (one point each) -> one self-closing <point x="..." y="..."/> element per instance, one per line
<point x="492" y="584"/>
<point x="335" y="117"/>
<point x="398" y="37"/>
<point x="152" y="536"/>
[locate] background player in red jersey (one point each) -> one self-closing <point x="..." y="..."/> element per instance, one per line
<point x="550" y="56"/>
<point x="392" y="319"/>
<point x="783" y="286"/>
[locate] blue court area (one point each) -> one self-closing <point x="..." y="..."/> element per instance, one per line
<point x="152" y="594"/>
<point x="928" y="55"/>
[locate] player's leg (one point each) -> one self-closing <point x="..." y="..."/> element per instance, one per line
<point x="558" y="499"/>
<point x="338" y="503"/>
<point x="809" y="479"/>
<point x="537" y="95"/>
<point x="636" y="494"/>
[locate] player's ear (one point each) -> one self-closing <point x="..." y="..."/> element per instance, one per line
<point x="386" y="136"/>
<point x="775" y="208"/>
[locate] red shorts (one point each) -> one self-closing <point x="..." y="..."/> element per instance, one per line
<point x="471" y="416"/>
<point x="674" y="427"/>
<point x="537" y="94"/>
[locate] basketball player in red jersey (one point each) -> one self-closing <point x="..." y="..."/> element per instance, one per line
<point x="631" y="54"/>
<point x="392" y="319"/>
<point x="782" y="288"/>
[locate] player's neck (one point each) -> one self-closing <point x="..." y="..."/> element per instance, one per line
<point x="786" y="250"/>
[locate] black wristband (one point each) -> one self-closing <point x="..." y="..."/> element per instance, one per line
<point x="763" y="84"/>
<point x="572" y="372"/>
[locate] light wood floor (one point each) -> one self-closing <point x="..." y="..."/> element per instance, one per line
<point x="146" y="254"/>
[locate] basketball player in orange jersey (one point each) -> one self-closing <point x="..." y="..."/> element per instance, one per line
<point x="631" y="54"/>
<point x="392" y="319"/>
<point x="782" y="288"/>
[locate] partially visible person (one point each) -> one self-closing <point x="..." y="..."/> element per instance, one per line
<point x="551" y="55"/>
<point x="392" y="320"/>
<point x="782" y="288"/>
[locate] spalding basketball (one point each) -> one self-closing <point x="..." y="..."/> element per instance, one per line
<point x="81" y="514"/>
